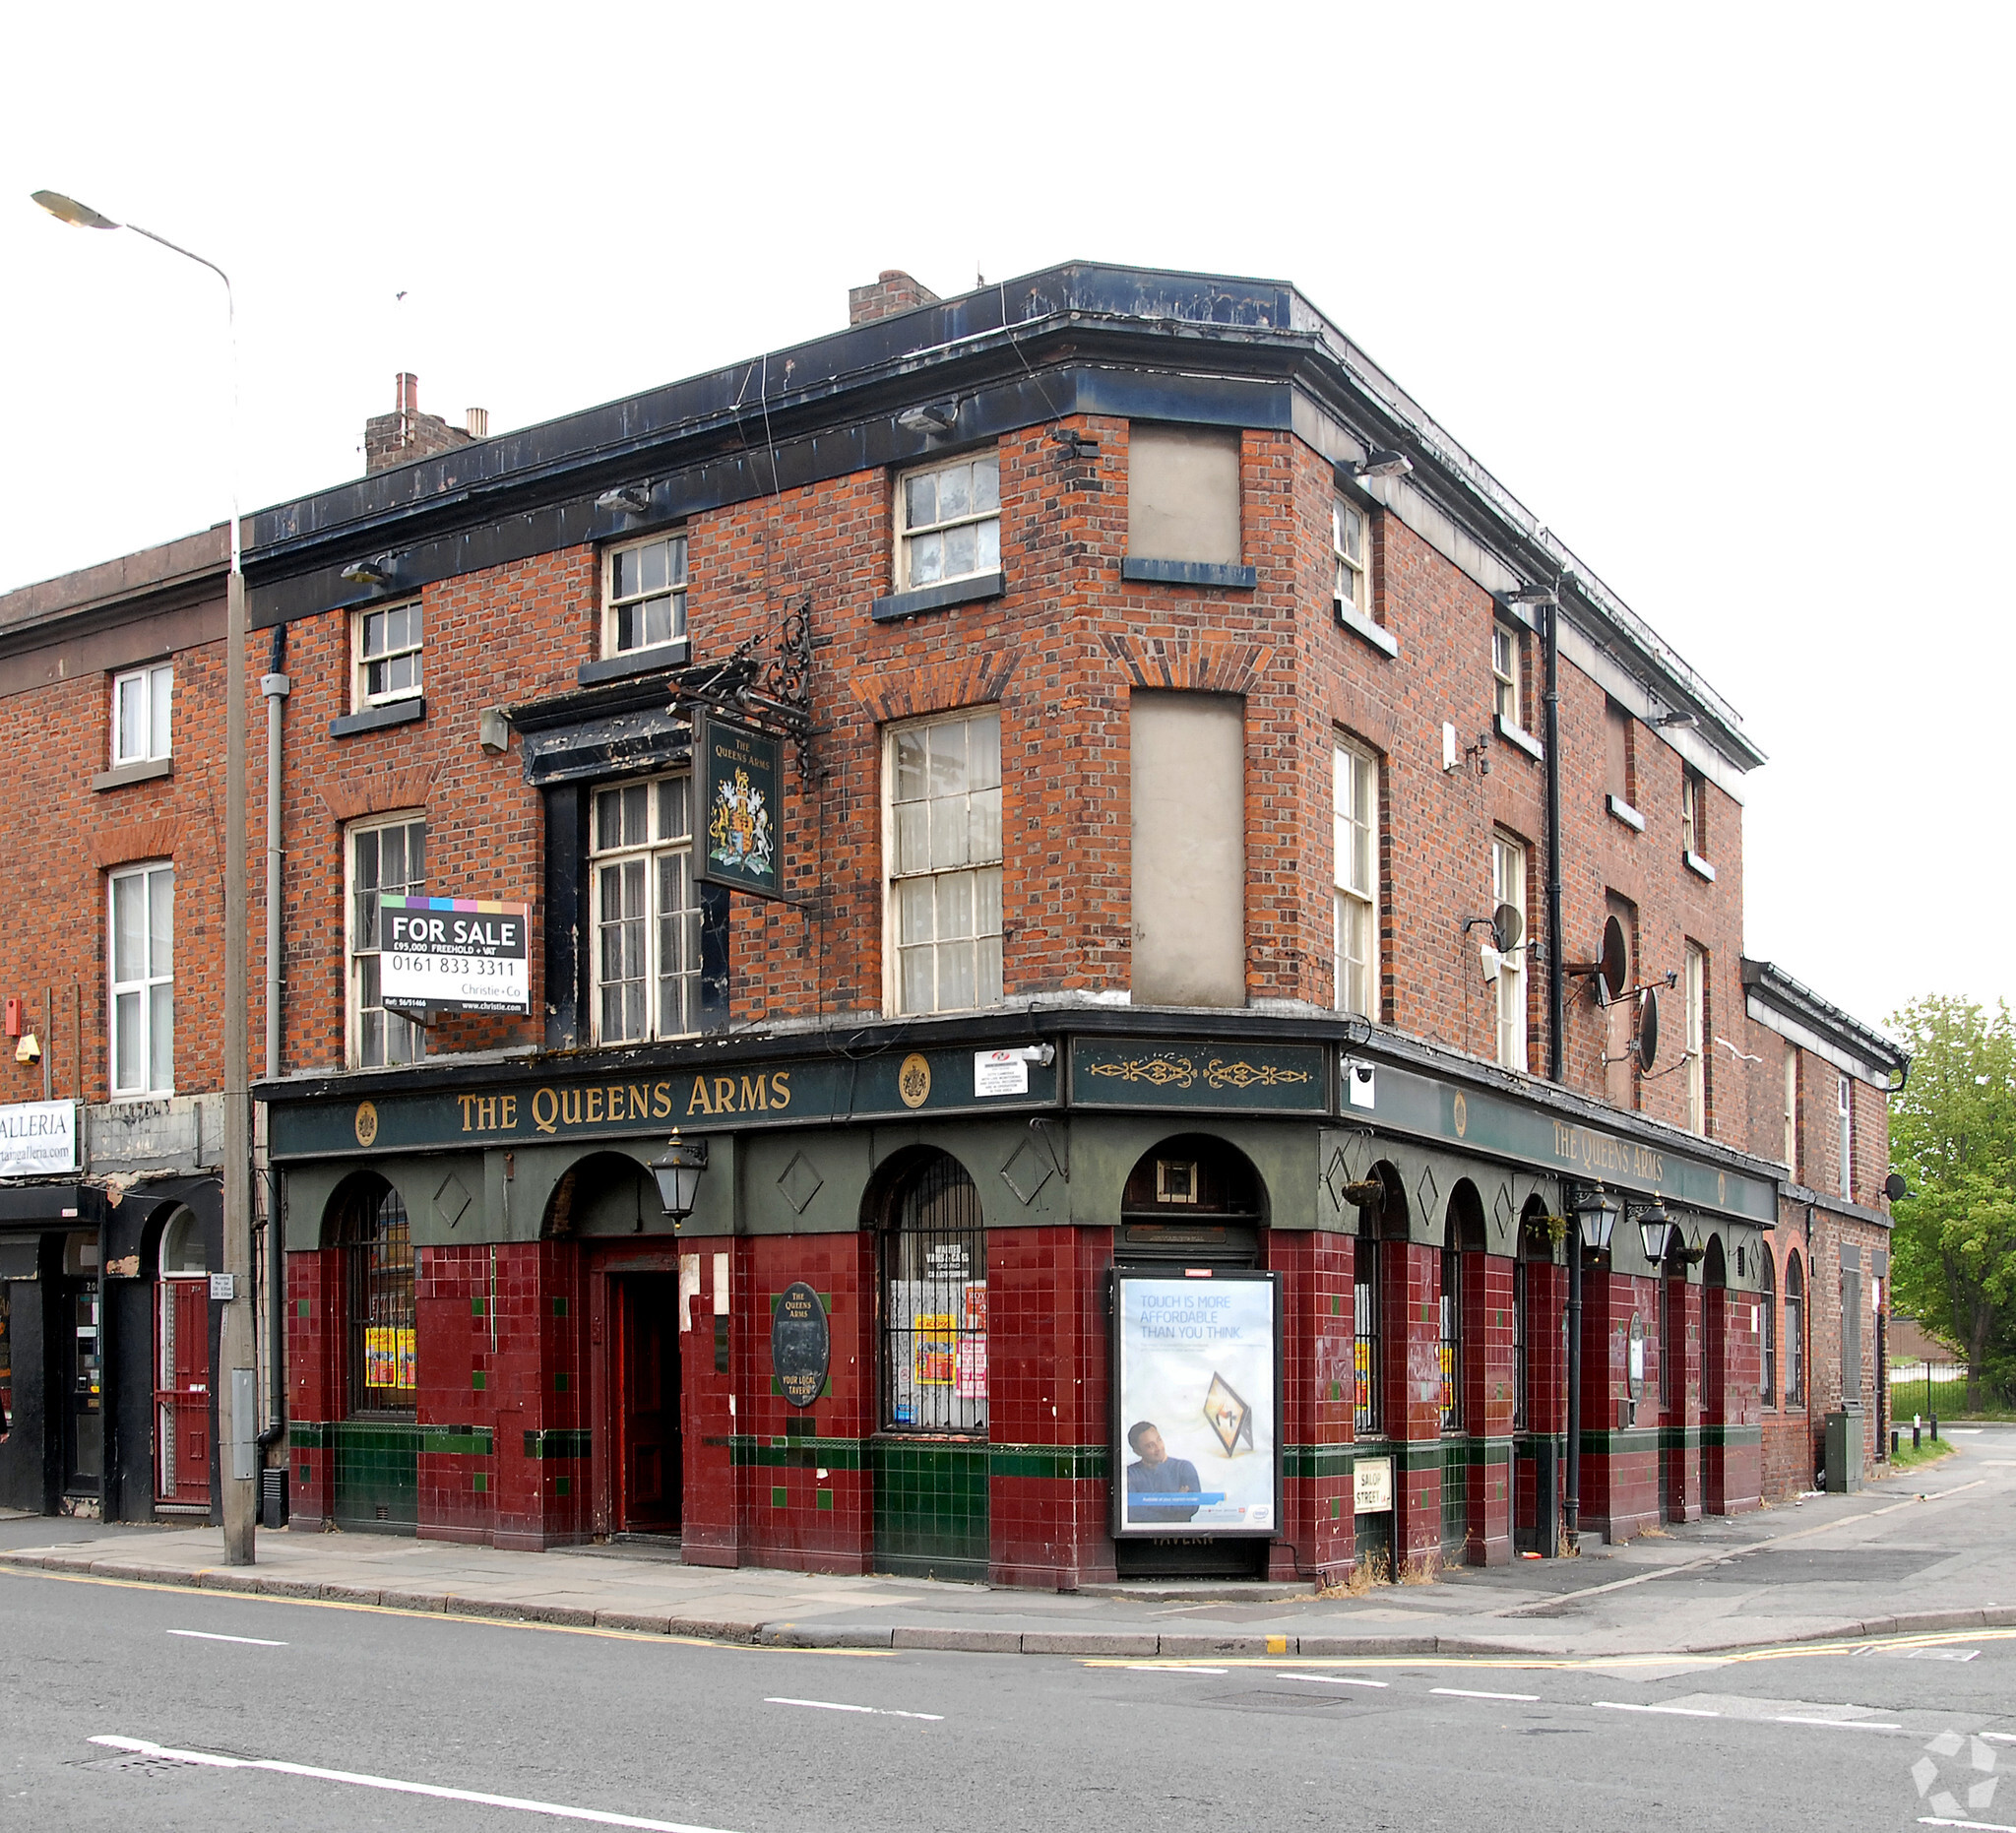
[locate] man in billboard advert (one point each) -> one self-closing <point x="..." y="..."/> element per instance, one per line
<point x="1154" y="1475"/>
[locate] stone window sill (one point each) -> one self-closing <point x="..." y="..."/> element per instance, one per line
<point x="377" y="718"/>
<point x="1517" y="739"/>
<point x="1360" y="625"/>
<point x="1190" y="573"/>
<point x="1625" y="813"/>
<point x="153" y="771"/>
<point x="633" y="661"/>
<point x="901" y="604"/>
<point x="1699" y="866"/>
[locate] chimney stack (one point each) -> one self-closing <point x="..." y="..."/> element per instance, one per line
<point x="894" y="291"/>
<point x="406" y="433"/>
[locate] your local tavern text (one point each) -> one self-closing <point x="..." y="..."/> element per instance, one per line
<point x="614" y="1102"/>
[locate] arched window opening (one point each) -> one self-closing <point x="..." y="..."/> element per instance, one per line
<point x="184" y="1254"/>
<point x="1368" y="1414"/>
<point x="934" y="1304"/>
<point x="1450" y="1347"/>
<point x="1794" y="1332"/>
<point x="378" y="1287"/>
<point x="1767" y="1347"/>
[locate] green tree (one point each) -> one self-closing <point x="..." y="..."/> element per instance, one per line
<point x="1953" y="1137"/>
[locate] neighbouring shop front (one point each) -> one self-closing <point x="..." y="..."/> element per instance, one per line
<point x="891" y="1330"/>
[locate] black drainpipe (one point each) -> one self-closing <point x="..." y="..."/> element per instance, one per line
<point x="1556" y="1044"/>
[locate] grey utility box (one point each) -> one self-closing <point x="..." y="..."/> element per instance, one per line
<point x="1843" y="1451"/>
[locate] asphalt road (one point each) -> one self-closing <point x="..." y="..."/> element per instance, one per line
<point x="323" y="1705"/>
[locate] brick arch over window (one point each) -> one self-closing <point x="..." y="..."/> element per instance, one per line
<point x="936" y="687"/>
<point x="350" y="799"/>
<point x="1201" y="665"/>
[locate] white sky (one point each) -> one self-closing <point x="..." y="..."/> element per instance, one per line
<point x="1721" y="292"/>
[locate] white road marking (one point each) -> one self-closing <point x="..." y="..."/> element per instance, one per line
<point x="206" y="1635"/>
<point x="1463" y="1692"/>
<point x="206" y="1759"/>
<point x="1977" y="1826"/>
<point x="1330" y="1679"/>
<point x="1678" y="1712"/>
<point x="1999" y="1736"/>
<point x="880" y="1712"/>
<point x="1842" y="1725"/>
<point x="1169" y="1667"/>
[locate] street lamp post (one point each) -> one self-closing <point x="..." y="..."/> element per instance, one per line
<point x="239" y="1406"/>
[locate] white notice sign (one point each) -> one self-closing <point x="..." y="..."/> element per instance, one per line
<point x="1000" y="1072"/>
<point x="37" y="1138"/>
<point x="1372" y="1485"/>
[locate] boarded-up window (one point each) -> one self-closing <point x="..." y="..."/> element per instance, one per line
<point x="1619" y="778"/>
<point x="1183" y="494"/>
<point x="1189" y="850"/>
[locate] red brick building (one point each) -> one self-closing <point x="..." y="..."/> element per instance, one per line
<point x="1206" y="807"/>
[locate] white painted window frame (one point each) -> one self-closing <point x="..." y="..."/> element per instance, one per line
<point x="1354" y="787"/>
<point x="155" y="688"/>
<point x="361" y="660"/>
<point x="986" y="553"/>
<point x="650" y="853"/>
<point x="678" y="577"/>
<point x="360" y="948"/>
<point x="143" y="986"/>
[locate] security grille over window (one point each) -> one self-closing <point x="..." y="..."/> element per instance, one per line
<point x="1450" y="1347"/>
<point x="378" y="1256"/>
<point x="934" y="1306"/>
<point x="647" y="912"/>
<point x="1364" y="1296"/>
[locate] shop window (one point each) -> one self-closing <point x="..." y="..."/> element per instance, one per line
<point x="1767" y="1335"/>
<point x="141" y="704"/>
<point x="1355" y="857"/>
<point x="142" y="953"/>
<point x="644" y="596"/>
<point x="1794" y="1332"/>
<point x="934" y="1304"/>
<point x="387" y="656"/>
<point x="949" y="522"/>
<point x="647" y="912"/>
<point x="1508" y="886"/>
<point x="378" y="1290"/>
<point x="384" y="857"/>
<point x="942" y="844"/>
<point x="1367" y="1416"/>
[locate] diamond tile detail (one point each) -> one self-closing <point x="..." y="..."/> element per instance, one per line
<point x="1028" y="1170"/>
<point x="801" y="1182"/>
<point x="451" y="1199"/>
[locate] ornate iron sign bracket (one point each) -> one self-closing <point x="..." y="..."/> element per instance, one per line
<point x="773" y="692"/>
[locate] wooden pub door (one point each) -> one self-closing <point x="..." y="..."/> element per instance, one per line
<point x="649" y="1473"/>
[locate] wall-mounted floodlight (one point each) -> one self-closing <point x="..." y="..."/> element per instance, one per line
<point x="929" y="416"/>
<point x="629" y="499"/>
<point x="1383" y="463"/>
<point x="376" y="572"/>
<point x="1534" y="594"/>
<point x="1676" y="722"/>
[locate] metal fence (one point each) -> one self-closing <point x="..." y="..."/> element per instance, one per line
<point x="1943" y="1390"/>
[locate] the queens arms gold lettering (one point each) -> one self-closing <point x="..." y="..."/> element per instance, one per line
<point x="615" y="1104"/>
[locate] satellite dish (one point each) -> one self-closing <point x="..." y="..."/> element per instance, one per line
<point x="1645" y="1044"/>
<point x="1508" y="929"/>
<point x="1614" y="965"/>
<point x="1895" y="1188"/>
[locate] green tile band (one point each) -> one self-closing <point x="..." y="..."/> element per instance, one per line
<point x="558" y="1443"/>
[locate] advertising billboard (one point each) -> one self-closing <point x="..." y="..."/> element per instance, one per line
<point x="1197" y="1427"/>
<point x="453" y="954"/>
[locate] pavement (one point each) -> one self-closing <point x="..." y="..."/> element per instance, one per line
<point x="1926" y="1551"/>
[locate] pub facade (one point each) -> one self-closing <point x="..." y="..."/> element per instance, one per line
<point x="1093" y="904"/>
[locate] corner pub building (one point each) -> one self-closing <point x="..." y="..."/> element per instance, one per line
<point x="1186" y="810"/>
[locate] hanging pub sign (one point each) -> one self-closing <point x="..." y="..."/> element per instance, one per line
<point x="1197" y="1385"/>
<point x="801" y="1345"/>
<point x="740" y="782"/>
<point x="453" y="954"/>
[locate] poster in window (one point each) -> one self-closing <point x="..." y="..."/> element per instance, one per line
<point x="389" y="1357"/>
<point x="739" y="777"/>
<point x="1197" y="1383"/>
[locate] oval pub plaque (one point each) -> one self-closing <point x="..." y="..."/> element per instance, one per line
<point x="801" y="1346"/>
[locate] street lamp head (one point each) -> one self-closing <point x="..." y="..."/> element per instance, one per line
<point x="676" y="1172"/>
<point x="68" y="209"/>
<point x="1596" y="1213"/>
